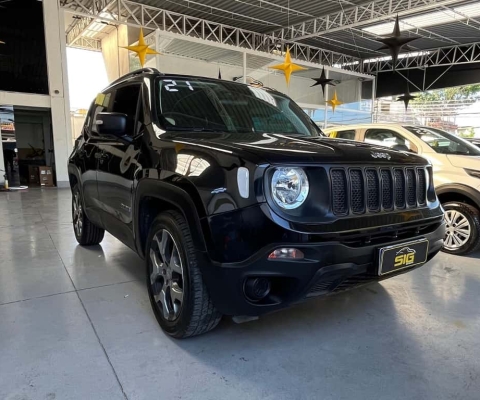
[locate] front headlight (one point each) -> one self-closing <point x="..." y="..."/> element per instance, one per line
<point x="289" y="187"/>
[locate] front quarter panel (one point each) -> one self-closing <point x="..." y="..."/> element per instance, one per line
<point x="198" y="179"/>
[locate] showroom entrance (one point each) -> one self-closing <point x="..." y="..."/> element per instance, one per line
<point x="27" y="146"/>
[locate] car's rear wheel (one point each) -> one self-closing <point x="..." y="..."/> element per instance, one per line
<point x="462" y="223"/>
<point x="86" y="233"/>
<point x="178" y="296"/>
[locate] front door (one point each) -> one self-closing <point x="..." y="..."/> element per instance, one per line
<point x="118" y="163"/>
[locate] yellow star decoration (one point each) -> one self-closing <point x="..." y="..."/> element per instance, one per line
<point x="288" y="67"/>
<point x="334" y="102"/>
<point x="141" y="49"/>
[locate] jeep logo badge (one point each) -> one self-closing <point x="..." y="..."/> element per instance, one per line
<point x="381" y="155"/>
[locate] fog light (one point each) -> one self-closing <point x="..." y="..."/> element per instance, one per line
<point x="286" y="253"/>
<point x="257" y="288"/>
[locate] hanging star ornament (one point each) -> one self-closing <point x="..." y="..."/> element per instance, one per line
<point x="334" y="102"/>
<point x="395" y="42"/>
<point x="141" y="49"/>
<point x="406" y="98"/>
<point x="323" y="81"/>
<point x="288" y="67"/>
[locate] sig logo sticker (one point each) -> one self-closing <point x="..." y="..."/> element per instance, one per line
<point x="405" y="257"/>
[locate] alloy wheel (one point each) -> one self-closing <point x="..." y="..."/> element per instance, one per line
<point x="166" y="275"/>
<point x="458" y="230"/>
<point x="77" y="215"/>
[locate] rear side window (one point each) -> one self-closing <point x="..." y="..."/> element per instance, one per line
<point x="126" y="101"/>
<point x="350" y="135"/>
<point x="387" y="138"/>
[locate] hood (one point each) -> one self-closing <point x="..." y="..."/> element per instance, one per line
<point x="278" y="148"/>
<point x="470" y="162"/>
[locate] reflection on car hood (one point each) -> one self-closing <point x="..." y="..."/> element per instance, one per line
<point x="471" y="162"/>
<point x="278" y="148"/>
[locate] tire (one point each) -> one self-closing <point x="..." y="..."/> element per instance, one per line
<point x="86" y="233"/>
<point x="466" y="239"/>
<point x="178" y="282"/>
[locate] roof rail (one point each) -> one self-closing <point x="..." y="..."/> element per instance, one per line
<point x="133" y="73"/>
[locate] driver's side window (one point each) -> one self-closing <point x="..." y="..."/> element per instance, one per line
<point x="388" y="138"/>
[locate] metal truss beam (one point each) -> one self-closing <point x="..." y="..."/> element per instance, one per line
<point x="87" y="44"/>
<point x="444" y="56"/>
<point x="83" y="24"/>
<point x="140" y="15"/>
<point x="372" y="12"/>
<point x="78" y="28"/>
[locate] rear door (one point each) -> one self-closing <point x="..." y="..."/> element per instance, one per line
<point x="118" y="162"/>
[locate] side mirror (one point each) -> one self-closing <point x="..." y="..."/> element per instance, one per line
<point x="111" y="124"/>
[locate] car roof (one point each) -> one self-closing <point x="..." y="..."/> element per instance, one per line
<point x="153" y="72"/>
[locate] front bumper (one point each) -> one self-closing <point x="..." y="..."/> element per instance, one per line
<point x="328" y="267"/>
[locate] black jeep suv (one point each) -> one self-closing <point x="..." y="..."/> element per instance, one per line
<point x="237" y="202"/>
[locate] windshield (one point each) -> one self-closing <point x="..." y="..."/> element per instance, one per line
<point x="208" y="105"/>
<point x="444" y="142"/>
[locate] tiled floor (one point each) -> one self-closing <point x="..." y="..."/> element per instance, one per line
<point x="75" y="323"/>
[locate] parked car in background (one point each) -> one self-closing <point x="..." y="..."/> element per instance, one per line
<point x="475" y="141"/>
<point x="456" y="173"/>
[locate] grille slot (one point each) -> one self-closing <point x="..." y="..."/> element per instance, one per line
<point x="373" y="192"/>
<point x="399" y="188"/>
<point x="387" y="189"/>
<point x="339" y="191"/>
<point x="357" y="191"/>
<point x="422" y="187"/>
<point x="411" y="187"/>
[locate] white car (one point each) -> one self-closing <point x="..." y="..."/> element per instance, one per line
<point x="456" y="172"/>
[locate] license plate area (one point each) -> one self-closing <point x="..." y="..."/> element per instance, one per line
<point x="401" y="256"/>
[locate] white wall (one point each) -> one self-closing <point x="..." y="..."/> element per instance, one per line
<point x="55" y="42"/>
<point x="115" y="58"/>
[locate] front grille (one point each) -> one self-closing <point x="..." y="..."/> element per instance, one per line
<point x="399" y="188"/>
<point x="387" y="189"/>
<point x="411" y="187"/>
<point x="360" y="190"/>
<point x="422" y="187"/>
<point x="373" y="190"/>
<point x="339" y="191"/>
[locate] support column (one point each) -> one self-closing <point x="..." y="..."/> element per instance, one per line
<point x="325" y="98"/>
<point x="55" y="42"/>
<point x="244" y="67"/>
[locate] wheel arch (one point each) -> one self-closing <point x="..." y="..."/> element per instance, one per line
<point x="74" y="176"/>
<point x="153" y="197"/>
<point x="458" y="193"/>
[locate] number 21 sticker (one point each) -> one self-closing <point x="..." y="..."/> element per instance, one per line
<point x="170" y="85"/>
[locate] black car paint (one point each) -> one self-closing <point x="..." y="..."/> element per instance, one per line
<point x="234" y="235"/>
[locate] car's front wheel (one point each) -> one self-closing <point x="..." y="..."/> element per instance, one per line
<point x="178" y="296"/>
<point x="86" y="233"/>
<point x="462" y="223"/>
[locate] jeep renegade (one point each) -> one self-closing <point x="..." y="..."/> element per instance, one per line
<point x="238" y="203"/>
